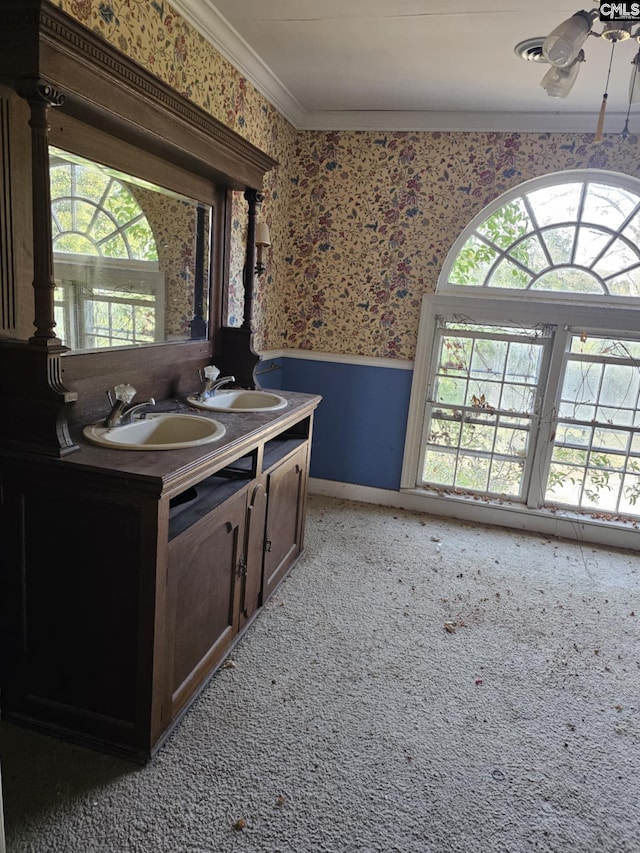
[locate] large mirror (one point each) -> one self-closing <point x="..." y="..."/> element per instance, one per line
<point x="131" y="260"/>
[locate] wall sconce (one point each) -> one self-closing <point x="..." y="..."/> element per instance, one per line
<point x="263" y="241"/>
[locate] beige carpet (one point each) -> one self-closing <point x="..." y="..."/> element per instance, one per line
<point x="415" y="685"/>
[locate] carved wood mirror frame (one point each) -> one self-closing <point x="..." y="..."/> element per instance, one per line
<point x="52" y="62"/>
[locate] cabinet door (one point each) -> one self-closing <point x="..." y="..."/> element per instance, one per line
<point x="203" y="594"/>
<point x="286" y="492"/>
<point x="252" y="581"/>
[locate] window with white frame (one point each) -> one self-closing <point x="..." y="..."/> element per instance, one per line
<point x="526" y="384"/>
<point x="108" y="288"/>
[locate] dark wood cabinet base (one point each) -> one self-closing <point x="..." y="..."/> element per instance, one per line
<point x="110" y="636"/>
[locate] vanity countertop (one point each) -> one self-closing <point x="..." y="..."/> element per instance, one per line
<point x="160" y="471"/>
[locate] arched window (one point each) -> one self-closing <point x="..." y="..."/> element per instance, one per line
<point x="575" y="233"/>
<point x="526" y="387"/>
<point x="94" y="213"/>
<point x="105" y="257"/>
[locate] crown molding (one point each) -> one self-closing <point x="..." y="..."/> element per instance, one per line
<point x="205" y="18"/>
<point x="103" y="87"/>
<point x="497" y="122"/>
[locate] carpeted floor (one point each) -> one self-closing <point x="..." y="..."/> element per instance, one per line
<point x="417" y="684"/>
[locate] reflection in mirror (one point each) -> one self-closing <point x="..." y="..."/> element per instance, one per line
<point x="234" y="305"/>
<point x="131" y="260"/>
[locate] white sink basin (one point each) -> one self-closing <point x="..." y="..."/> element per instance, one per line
<point x="240" y="401"/>
<point x="157" y="432"/>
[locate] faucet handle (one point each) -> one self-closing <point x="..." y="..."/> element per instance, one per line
<point x="125" y="392"/>
<point x="211" y="371"/>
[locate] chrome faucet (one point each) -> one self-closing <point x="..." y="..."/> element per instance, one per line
<point x="211" y="383"/>
<point x="122" y="410"/>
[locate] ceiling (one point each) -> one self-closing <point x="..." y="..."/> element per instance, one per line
<point x="411" y="64"/>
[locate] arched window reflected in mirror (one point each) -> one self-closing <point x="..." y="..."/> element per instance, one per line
<point x="131" y="259"/>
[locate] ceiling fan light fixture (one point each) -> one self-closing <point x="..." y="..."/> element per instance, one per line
<point x="558" y="82"/>
<point x="618" y="31"/>
<point x="562" y="48"/>
<point x="562" y="45"/>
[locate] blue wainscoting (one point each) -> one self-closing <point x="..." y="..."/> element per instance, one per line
<point x="360" y="426"/>
<point x="269" y="373"/>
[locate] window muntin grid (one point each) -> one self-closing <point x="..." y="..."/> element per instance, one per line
<point x="572" y="239"/>
<point x="94" y="213"/>
<point x="578" y="237"/>
<point x="595" y="462"/>
<point x="115" y="318"/>
<point x="482" y="411"/>
<point x="104" y="316"/>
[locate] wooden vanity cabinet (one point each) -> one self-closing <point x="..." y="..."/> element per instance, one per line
<point x="225" y="565"/>
<point x="251" y="596"/>
<point x="109" y="637"/>
<point x="286" y="487"/>
<point x="125" y="577"/>
<point x="203" y="594"/>
<point x="77" y="605"/>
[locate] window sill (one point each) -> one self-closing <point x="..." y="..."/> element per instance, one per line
<point x="564" y="523"/>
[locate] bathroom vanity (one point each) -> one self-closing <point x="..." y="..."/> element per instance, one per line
<point x="126" y="575"/>
<point x="127" y="600"/>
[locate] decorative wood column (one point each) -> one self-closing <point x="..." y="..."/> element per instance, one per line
<point x="41" y="96"/>
<point x="34" y="397"/>
<point x="198" y="324"/>
<point x="253" y="198"/>
<point x="237" y="356"/>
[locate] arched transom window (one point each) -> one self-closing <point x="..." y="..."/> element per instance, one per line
<point x="95" y="213"/>
<point x="564" y="234"/>
<point x="526" y="388"/>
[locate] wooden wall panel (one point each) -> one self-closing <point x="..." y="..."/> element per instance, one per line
<point x="7" y="266"/>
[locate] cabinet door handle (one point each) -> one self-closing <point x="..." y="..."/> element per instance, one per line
<point x="267" y="543"/>
<point x="242" y="566"/>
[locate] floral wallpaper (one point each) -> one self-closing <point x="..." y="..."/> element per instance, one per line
<point x="152" y="34"/>
<point x="375" y="214"/>
<point x="173" y="222"/>
<point x="361" y="222"/>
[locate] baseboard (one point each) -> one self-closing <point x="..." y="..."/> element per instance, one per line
<point x="567" y="526"/>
